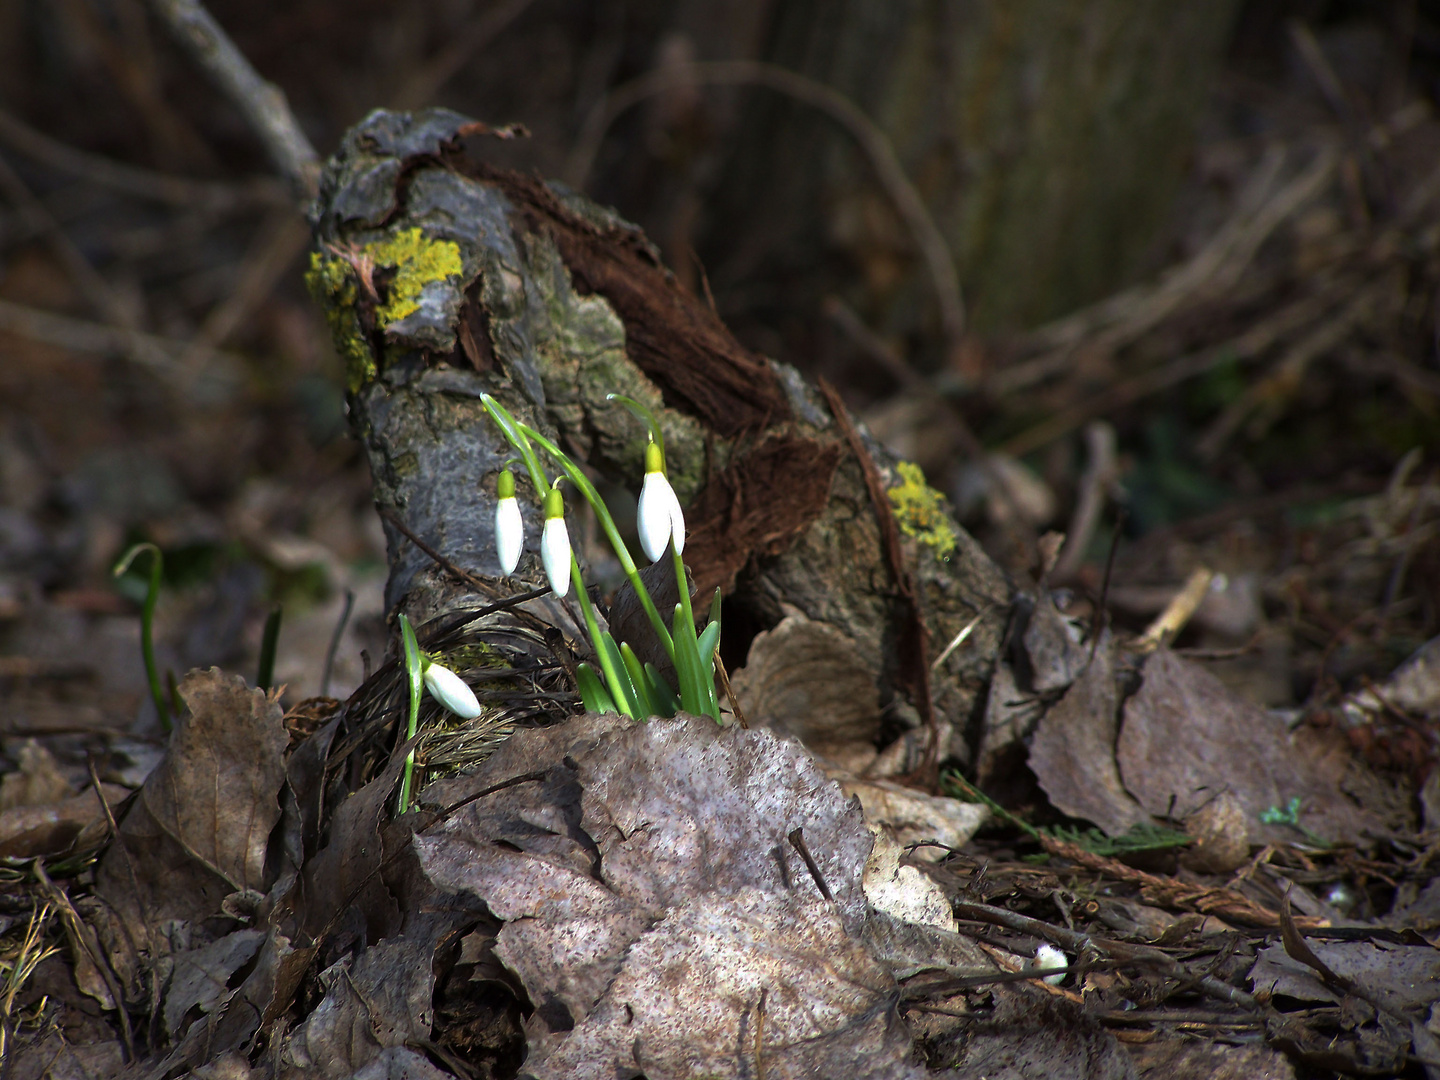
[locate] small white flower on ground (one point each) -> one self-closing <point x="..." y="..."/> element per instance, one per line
<point x="509" y="529"/>
<point x="450" y="691"/>
<point x="1048" y="956"/>
<point x="658" y="517"/>
<point x="555" y="543"/>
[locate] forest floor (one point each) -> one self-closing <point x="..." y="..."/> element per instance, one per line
<point x="1257" y="420"/>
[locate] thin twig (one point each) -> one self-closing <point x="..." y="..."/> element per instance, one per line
<point x="1102" y="474"/>
<point x="94" y="288"/>
<point x="440" y="560"/>
<point x="913" y="637"/>
<point x="934" y="249"/>
<point x="142" y="183"/>
<point x="85" y="941"/>
<point x="421" y="87"/>
<point x="1081" y="943"/>
<point x="78" y="335"/>
<point x="796" y="836"/>
<point x="334" y="646"/>
<point x="262" y="103"/>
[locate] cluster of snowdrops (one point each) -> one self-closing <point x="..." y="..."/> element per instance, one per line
<point x="622" y="682"/>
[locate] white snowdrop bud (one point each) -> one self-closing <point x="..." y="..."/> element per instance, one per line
<point x="1048" y="956"/>
<point x="509" y="529"/>
<point x="658" y="517"/>
<point x="450" y="691"/>
<point x="555" y="543"/>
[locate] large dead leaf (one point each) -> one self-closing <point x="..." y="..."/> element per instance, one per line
<point x="216" y="792"/>
<point x="1186" y="737"/>
<point x="1073" y="750"/>
<point x="732" y="985"/>
<point x="650" y="894"/>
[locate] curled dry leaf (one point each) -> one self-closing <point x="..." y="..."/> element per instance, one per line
<point x="1073" y="751"/>
<point x="650" y="893"/>
<point x="807" y="679"/>
<point x="912" y="817"/>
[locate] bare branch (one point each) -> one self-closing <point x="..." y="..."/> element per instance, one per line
<point x="934" y="249"/>
<point x="262" y="103"/>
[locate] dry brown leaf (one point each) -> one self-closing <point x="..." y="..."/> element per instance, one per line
<point x="688" y="1001"/>
<point x="807" y="679"/>
<point x="217" y="790"/>
<point x="377" y="1000"/>
<point x="912" y="817"/>
<point x="200" y="977"/>
<point x="1186" y="737"/>
<point x="1072" y="752"/>
<point x="37" y="782"/>
<point x="28" y="831"/>
<point x="648" y="849"/>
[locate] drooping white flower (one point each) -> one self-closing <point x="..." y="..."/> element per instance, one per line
<point x="509" y="529"/>
<point x="450" y="691"/>
<point x="1048" y="956"/>
<point x="555" y="543"/>
<point x="658" y="517"/>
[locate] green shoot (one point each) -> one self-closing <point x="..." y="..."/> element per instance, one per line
<point x="147" y="624"/>
<point x="268" y="641"/>
<point x="415" y="673"/>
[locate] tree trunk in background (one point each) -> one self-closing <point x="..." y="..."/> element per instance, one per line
<point x="1047" y="137"/>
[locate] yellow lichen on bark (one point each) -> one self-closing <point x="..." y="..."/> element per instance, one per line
<point x="920" y="511"/>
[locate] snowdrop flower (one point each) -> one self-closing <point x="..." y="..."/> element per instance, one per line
<point x="555" y="543"/>
<point x="658" y="516"/>
<point x="450" y="691"/>
<point x="1048" y="956"/>
<point x="509" y="529"/>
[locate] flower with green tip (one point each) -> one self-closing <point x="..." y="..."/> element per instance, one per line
<point x="509" y="529"/>
<point x="450" y="691"/>
<point x="555" y="543"/>
<point x="658" y="516"/>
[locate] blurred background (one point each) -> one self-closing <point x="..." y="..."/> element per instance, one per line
<point x="1072" y="256"/>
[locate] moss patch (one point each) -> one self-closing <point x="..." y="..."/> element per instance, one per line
<point x="920" y="511"/>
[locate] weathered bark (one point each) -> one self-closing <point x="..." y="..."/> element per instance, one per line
<point x="480" y="280"/>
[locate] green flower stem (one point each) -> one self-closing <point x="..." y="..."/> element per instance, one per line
<point x="701" y="671"/>
<point x="645" y="415"/>
<point x="415" y="670"/>
<point x="147" y="624"/>
<point x="613" y="681"/>
<point x="612" y="533"/>
<point x="516" y="437"/>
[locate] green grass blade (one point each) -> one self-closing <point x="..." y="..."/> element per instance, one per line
<point x="649" y="706"/>
<point x="592" y="692"/>
<point x="709" y="641"/>
<point x="415" y="673"/>
<point x="147" y="624"/>
<point x="661" y="692"/>
<point x="269" y="640"/>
